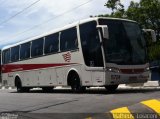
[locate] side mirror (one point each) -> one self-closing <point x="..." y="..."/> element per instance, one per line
<point x="151" y="33"/>
<point x="105" y="31"/>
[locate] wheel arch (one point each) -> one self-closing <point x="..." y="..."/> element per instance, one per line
<point x="16" y="79"/>
<point x="72" y="72"/>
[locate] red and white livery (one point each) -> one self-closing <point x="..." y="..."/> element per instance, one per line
<point x="92" y="52"/>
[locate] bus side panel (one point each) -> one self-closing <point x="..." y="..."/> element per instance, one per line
<point x="37" y="78"/>
<point x="29" y="78"/>
<point x="60" y="75"/>
<point x="7" y="79"/>
<point x="53" y="76"/>
<point x="44" y="77"/>
<point x="98" y="78"/>
<point x="86" y="77"/>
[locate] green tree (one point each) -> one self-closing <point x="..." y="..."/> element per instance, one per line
<point x="115" y="6"/>
<point x="147" y="13"/>
<point x="133" y="12"/>
<point x="151" y="8"/>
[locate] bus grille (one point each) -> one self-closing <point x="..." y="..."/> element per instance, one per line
<point x="132" y="71"/>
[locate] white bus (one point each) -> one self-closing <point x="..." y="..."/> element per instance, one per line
<point x="92" y="52"/>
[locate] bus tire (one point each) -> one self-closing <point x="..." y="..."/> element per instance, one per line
<point x="111" y="88"/>
<point x="18" y="84"/>
<point x="75" y="84"/>
<point x="19" y="87"/>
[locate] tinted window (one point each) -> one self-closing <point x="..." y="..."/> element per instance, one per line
<point x="69" y="39"/>
<point x="25" y="51"/>
<point x="91" y="45"/>
<point x="15" y="53"/>
<point x="37" y="47"/>
<point x="6" y="56"/>
<point x="126" y="45"/>
<point x="51" y="43"/>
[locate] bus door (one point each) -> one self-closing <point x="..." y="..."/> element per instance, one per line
<point x="92" y="52"/>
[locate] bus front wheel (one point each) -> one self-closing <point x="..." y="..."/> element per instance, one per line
<point x="111" y="88"/>
<point x="75" y="84"/>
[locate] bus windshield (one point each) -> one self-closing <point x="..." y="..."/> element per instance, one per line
<point x="126" y="44"/>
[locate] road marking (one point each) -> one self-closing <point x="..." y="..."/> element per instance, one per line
<point x="122" y="113"/>
<point x="153" y="104"/>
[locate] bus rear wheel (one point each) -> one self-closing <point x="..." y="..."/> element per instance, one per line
<point x="20" y="88"/>
<point x="111" y="88"/>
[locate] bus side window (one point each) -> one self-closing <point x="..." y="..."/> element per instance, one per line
<point x="6" y="56"/>
<point x="15" y="54"/>
<point x="37" y="52"/>
<point x="68" y="40"/>
<point x="25" y="50"/>
<point x="37" y="47"/>
<point x="51" y="48"/>
<point x="76" y="43"/>
<point x="51" y="43"/>
<point x="25" y="54"/>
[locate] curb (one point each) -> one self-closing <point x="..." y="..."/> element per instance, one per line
<point x="6" y="87"/>
<point x="147" y="84"/>
<point x="152" y="83"/>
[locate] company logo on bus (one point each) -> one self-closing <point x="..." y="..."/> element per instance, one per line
<point x="67" y="57"/>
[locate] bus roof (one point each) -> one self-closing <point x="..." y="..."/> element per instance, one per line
<point x="63" y="28"/>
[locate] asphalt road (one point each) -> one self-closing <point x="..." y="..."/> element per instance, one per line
<point x="63" y="104"/>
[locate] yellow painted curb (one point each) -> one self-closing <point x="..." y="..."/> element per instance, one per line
<point x="153" y="104"/>
<point x="122" y="113"/>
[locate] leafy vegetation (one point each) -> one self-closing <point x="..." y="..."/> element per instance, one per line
<point x="146" y="13"/>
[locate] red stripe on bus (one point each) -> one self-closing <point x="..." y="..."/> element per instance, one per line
<point x="21" y="67"/>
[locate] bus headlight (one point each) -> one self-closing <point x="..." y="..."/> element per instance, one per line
<point x="112" y="69"/>
<point x="147" y="69"/>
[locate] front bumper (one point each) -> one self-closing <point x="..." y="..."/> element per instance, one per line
<point x="119" y="78"/>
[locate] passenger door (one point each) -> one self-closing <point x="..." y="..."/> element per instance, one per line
<point x="91" y="48"/>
